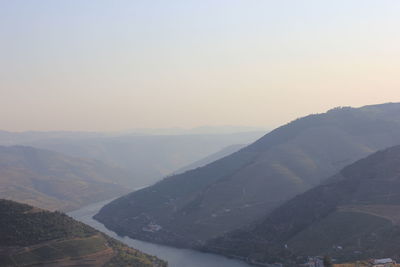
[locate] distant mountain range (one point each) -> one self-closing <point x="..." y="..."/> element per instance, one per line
<point x="148" y="158"/>
<point x="54" y="181"/>
<point x="17" y="138"/>
<point x="34" y="237"/>
<point x="353" y="215"/>
<point x="240" y="189"/>
<point x="202" y="130"/>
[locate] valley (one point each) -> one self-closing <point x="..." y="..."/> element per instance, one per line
<point x="147" y="158"/>
<point x="257" y="204"/>
<point x="176" y="257"/>
<point x="244" y="187"/>
<point x="227" y="133"/>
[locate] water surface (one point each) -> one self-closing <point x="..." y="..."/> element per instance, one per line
<point x="176" y="257"/>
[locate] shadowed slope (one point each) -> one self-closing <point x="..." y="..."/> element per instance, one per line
<point x="237" y="190"/>
<point x="353" y="215"/>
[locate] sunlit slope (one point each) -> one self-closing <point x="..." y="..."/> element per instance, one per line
<point x="353" y="215"/>
<point x="245" y="186"/>
<point x="54" y="181"/>
<point x="31" y="236"/>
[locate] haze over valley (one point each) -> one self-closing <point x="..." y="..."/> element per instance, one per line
<point x="229" y="133"/>
<point x="239" y="189"/>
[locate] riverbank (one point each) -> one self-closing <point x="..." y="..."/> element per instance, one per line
<point x="176" y="257"/>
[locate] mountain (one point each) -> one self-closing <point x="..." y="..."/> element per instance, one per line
<point x="16" y="138"/>
<point x="353" y="215"/>
<point x="53" y="181"/>
<point x="202" y="130"/>
<point x="148" y="158"/>
<point x="235" y="191"/>
<point x="31" y="236"/>
<point x="226" y="151"/>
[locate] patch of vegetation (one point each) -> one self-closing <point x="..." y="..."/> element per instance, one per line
<point x="80" y="247"/>
<point x="130" y="257"/>
<point x="349" y="230"/>
<point x="30" y="236"/>
<point x="20" y="226"/>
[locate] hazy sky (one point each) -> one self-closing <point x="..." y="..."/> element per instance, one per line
<point x="114" y="65"/>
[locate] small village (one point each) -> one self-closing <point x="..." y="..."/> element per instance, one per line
<point x="384" y="262"/>
<point x="152" y="227"/>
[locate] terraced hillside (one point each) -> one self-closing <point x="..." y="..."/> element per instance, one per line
<point x="353" y="216"/>
<point x="244" y="187"/>
<point x="34" y="237"/>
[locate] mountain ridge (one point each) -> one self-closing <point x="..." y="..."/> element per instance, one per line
<point x="241" y="188"/>
<point x="351" y="216"/>
<point x="148" y="158"/>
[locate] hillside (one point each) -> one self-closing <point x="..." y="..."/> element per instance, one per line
<point x="148" y="158"/>
<point x="226" y="151"/>
<point x="31" y="236"/>
<point x="239" y="189"/>
<point x="353" y="215"/>
<point x="54" y="181"/>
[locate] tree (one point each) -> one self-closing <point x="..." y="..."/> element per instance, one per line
<point x="327" y="261"/>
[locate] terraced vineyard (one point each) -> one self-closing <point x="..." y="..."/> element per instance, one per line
<point x="32" y="236"/>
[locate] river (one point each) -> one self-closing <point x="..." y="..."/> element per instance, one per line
<point x="176" y="257"/>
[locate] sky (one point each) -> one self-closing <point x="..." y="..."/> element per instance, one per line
<point x="98" y="65"/>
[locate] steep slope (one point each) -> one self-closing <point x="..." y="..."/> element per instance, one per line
<point x="353" y="215"/>
<point x="54" y="181"/>
<point x="245" y="186"/>
<point x="31" y="236"/>
<point x="148" y="158"/>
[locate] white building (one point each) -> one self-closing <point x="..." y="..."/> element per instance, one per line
<point x="387" y="262"/>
